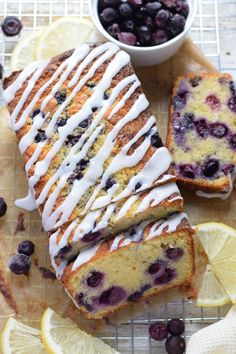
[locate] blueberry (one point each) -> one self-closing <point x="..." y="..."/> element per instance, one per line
<point x="128" y="26"/>
<point x="125" y="10"/>
<point x="177" y="24"/>
<point x="106" y="95"/>
<point x="72" y="139"/>
<point x="152" y="8"/>
<point x="232" y="88"/>
<point x="195" y="81"/>
<point x="91" y="84"/>
<point x="113" y="30"/>
<point x="3" y="207"/>
<point x="175" y="327"/>
<point x="180" y="101"/>
<point x="232" y="141"/>
<point x="60" y="96"/>
<point x="1" y="71"/>
<point x="75" y="176"/>
<point x="174" y="253"/>
<point x="109" y="183"/>
<point x="137" y="294"/>
<point x="95" y="279"/>
<point x="94" y="109"/>
<point x="85" y="123"/>
<point x="91" y="236"/>
<point x="82" y="164"/>
<point x="41" y="136"/>
<point x="109" y="15"/>
<point x="19" y="264"/>
<point x="11" y="26"/>
<point x="148" y="21"/>
<point x="135" y="3"/>
<point x="159" y="36"/>
<point x="187" y="121"/>
<point x="80" y="298"/>
<point x="158" y="331"/>
<point x="61" y="122"/>
<point x="112" y="296"/>
<point x="127" y="38"/>
<point x="162" y="18"/>
<point x="213" y="102"/>
<point x="137" y="186"/>
<point x="157" y="268"/>
<point x="218" y="130"/>
<point x="187" y="171"/>
<point x="202" y="128"/>
<point x="156" y="140"/>
<point x="183" y="8"/>
<point x="210" y="168"/>
<point x="26" y="247"/>
<point x="64" y="251"/>
<point x="109" y="3"/>
<point x="175" y="345"/>
<point x="35" y="113"/>
<point x="168" y="275"/>
<point x="144" y="35"/>
<point x="141" y="14"/>
<point x="232" y="104"/>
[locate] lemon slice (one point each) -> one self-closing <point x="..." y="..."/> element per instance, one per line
<point x="18" y="338"/>
<point x="63" y="34"/>
<point x="24" y="51"/>
<point x="219" y="243"/>
<point x="212" y="292"/>
<point x="62" y="336"/>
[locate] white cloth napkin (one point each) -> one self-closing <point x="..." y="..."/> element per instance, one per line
<point x="218" y="338"/>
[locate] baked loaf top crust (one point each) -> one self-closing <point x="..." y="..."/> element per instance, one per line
<point x="202" y="132"/>
<point x="85" y="131"/>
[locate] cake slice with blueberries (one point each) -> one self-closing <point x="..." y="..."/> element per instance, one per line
<point x="202" y="132"/>
<point x="146" y="260"/>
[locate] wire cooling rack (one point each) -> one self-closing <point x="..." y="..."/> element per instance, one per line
<point x="214" y="30"/>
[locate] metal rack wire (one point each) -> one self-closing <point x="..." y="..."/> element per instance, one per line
<point x="132" y="336"/>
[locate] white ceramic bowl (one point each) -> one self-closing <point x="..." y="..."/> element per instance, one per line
<point x="146" y="56"/>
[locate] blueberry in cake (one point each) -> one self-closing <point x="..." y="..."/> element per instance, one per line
<point x="202" y="132"/>
<point x="108" y="275"/>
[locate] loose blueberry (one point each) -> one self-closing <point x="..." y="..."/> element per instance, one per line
<point x="158" y="268"/>
<point x="128" y="26"/>
<point x="232" y="141"/>
<point x="210" y="168"/>
<point x="152" y="8"/>
<point x="158" y="331"/>
<point x="175" y="345"/>
<point x="169" y="275"/>
<point x="195" y="81"/>
<point x="127" y="38"/>
<point x="109" y="15"/>
<point x="213" y="102"/>
<point x="113" y="30"/>
<point x="156" y="140"/>
<point x="175" y="327"/>
<point x="26" y="247"/>
<point x="187" y="171"/>
<point x="125" y="10"/>
<point x="177" y="24"/>
<point x="162" y="18"/>
<point x="159" y="36"/>
<point x="202" y="128"/>
<point x="60" y="96"/>
<point x="3" y="207"/>
<point x="95" y="279"/>
<point x="112" y="296"/>
<point x="144" y="35"/>
<point x="91" y="237"/>
<point x="218" y="130"/>
<point x="11" y="26"/>
<point x="41" y="136"/>
<point x="232" y="104"/>
<point x="19" y="264"/>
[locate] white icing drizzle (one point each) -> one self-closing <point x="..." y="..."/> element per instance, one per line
<point x="170" y="224"/>
<point x="27" y="203"/>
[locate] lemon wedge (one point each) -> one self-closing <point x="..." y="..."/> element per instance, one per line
<point x="63" y="34"/>
<point x="62" y="336"/>
<point x="24" y="52"/>
<point x="219" y="243"/>
<point x="212" y="292"/>
<point x="18" y="338"/>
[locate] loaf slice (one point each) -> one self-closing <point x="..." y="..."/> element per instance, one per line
<point x="85" y="131"/>
<point x="106" y="222"/>
<point x="202" y="132"/>
<point x="148" y="259"/>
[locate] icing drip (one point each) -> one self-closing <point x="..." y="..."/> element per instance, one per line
<point x="27" y="203"/>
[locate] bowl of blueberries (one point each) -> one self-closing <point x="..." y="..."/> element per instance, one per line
<point x="151" y="31"/>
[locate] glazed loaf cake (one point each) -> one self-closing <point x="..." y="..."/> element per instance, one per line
<point x="148" y="259"/>
<point x="202" y="132"/>
<point x="85" y="131"/>
<point x="105" y="222"/>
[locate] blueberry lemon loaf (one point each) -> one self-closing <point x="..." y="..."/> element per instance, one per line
<point x="148" y="259"/>
<point x="85" y="131"/>
<point x="154" y="203"/>
<point x="202" y="132"/>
